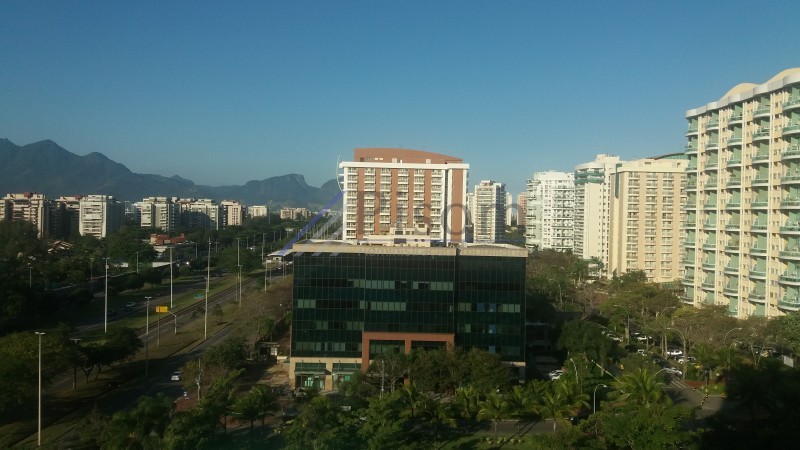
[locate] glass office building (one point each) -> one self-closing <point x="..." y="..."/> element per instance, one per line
<point x="354" y="302"/>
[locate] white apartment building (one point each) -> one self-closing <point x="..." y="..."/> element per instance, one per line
<point x="234" y="212"/>
<point x="490" y="212"/>
<point x="550" y="211"/>
<point x="743" y="207"/>
<point x="99" y="215"/>
<point x="511" y="211"/>
<point x="28" y="206"/>
<point x="258" y="211"/>
<point x="390" y="190"/>
<point x="646" y="219"/>
<point x="522" y="208"/>
<point x="202" y="213"/>
<point x="593" y="207"/>
<point x="158" y="212"/>
<point x="295" y="213"/>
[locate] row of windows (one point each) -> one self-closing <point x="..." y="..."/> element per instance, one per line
<point x="488" y="307"/>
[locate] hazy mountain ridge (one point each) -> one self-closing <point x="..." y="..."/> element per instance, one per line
<point x="46" y="167"/>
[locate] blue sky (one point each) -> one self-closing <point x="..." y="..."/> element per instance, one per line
<point x="222" y="92"/>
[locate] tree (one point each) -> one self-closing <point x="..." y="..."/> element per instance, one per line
<point x="388" y="369"/>
<point x="319" y="426"/>
<point x="142" y="427"/>
<point x="494" y="408"/>
<point x="662" y="425"/>
<point x="556" y="404"/>
<point x="519" y="403"/>
<point x="385" y="423"/>
<point x="639" y="387"/>
<point x="248" y="408"/>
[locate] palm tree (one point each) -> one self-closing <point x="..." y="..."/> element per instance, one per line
<point x="412" y="398"/>
<point x="519" y="403"/>
<point x="493" y="408"/>
<point x="466" y="401"/>
<point x="436" y="414"/>
<point x="248" y="408"/>
<point x="555" y="405"/>
<point x="267" y="400"/>
<point x="641" y="387"/>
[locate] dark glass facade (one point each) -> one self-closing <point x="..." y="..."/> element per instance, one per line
<point x="476" y="295"/>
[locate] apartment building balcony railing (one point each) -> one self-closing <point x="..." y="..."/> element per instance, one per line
<point x="761" y="157"/>
<point x="731" y="270"/>
<point x="734" y="204"/>
<point x="760" y="274"/>
<point x="792" y="103"/>
<point x="693" y="129"/>
<point x="733" y="226"/>
<point x="790" y="203"/>
<point x="731" y="290"/>
<point x="792" y="278"/>
<point x="708" y="224"/>
<point x="689" y="243"/>
<point x="709" y="265"/>
<point x="710" y="246"/>
<point x="790" y="228"/>
<point x="732" y="247"/>
<point x="761" y="111"/>
<point x="712" y="145"/>
<point x="792" y="128"/>
<point x="761" y="179"/>
<point x="707" y="285"/>
<point x="790" y="303"/>
<point x="713" y="123"/>
<point x="758" y="251"/>
<point x="734" y="141"/>
<point x="790" y="179"/>
<point x="735" y="160"/>
<point x="689" y="148"/>
<point x="735" y="117"/>
<point x="762" y="133"/>
<point x="688" y="280"/>
<point x="759" y="297"/>
<point x="734" y="182"/>
<point x="759" y="204"/>
<point x="758" y="227"/>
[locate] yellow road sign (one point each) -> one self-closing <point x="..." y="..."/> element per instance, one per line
<point x="162" y="309"/>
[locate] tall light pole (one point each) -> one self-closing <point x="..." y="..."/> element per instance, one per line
<point x="75" y="365"/>
<point x="240" y="286"/>
<point x="105" y="304"/>
<point x="39" y="421"/>
<point x="208" y="280"/>
<point x="594" y="397"/>
<point x="30" y="276"/>
<point x="170" y="277"/>
<point x="137" y="262"/>
<point x="685" y="356"/>
<point x="147" y="339"/>
<point x="176" y="321"/>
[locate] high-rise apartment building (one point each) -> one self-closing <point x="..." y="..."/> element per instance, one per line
<point x="592" y="207"/>
<point x="28" y="206"/>
<point x="522" y="208"/>
<point x="234" y="212"/>
<point x="64" y="215"/>
<point x="550" y="211"/>
<point x="646" y="220"/>
<point x="158" y="212"/>
<point x="99" y="215"/>
<point x="390" y="190"/>
<point x="743" y="208"/>
<point x="203" y="213"/>
<point x="490" y="212"/>
<point x="258" y="211"/>
<point x="295" y="213"/>
<point x="352" y="303"/>
<point x="511" y="211"/>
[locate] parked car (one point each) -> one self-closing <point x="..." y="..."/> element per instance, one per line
<point x="674" y="352"/>
<point x="642" y="352"/>
<point x="130" y="304"/>
<point x="673" y="371"/>
<point x="176" y="376"/>
<point x="688" y="359"/>
<point x="555" y="374"/>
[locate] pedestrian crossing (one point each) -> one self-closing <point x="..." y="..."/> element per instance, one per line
<point x="679" y="384"/>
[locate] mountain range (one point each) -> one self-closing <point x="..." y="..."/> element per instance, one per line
<point x="47" y="168"/>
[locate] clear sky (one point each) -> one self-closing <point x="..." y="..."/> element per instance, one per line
<point x="222" y="92"/>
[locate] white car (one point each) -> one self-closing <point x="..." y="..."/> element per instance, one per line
<point x="673" y="371"/>
<point x="674" y="352"/>
<point x="176" y="376"/>
<point x="555" y="374"/>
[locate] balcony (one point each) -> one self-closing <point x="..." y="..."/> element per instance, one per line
<point x="759" y="204"/>
<point x="733" y="204"/>
<point x="761" y="179"/>
<point x="690" y="148"/>
<point x="732" y="226"/>
<point x="758" y="251"/>
<point x="731" y="270"/>
<point x="709" y="265"/>
<point x="761" y="111"/>
<point x="692" y="166"/>
<point x="732" y="247"/>
<point x="790" y="228"/>
<point x="760" y="274"/>
<point x="792" y="152"/>
<point x="735" y="160"/>
<point x="711" y="204"/>
<point x="693" y="129"/>
<point x="792" y="103"/>
<point x="792" y="253"/>
<point x="792" y="128"/>
<point x="758" y="297"/>
<point x="790" y="202"/>
<point x="713" y="123"/>
<point x="792" y="278"/>
<point x="734" y="182"/>
<point x="710" y="246"/>
<point x="761" y="157"/>
<point x="790" y="179"/>
<point x="688" y="281"/>
<point x="712" y="224"/>
<point x="707" y="285"/>
<point x="760" y="134"/>
<point x="689" y="243"/>
<point x="691" y="185"/>
<point x="789" y="302"/>
<point x="758" y="228"/>
<point x="712" y="145"/>
<point x="731" y="290"/>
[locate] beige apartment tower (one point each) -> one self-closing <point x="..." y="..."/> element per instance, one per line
<point x="28" y="206"/>
<point x="593" y="207"/>
<point x="393" y="191"/>
<point x="550" y="211"/>
<point x="645" y="210"/>
<point x="743" y="207"/>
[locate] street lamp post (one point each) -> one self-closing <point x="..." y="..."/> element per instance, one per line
<point x="685" y="356"/>
<point x="147" y="338"/>
<point x="728" y="351"/>
<point x="170" y="277"/>
<point x="176" y="321"/>
<point x="594" y="397"/>
<point x="105" y="304"/>
<point x="75" y="366"/>
<point x="240" y="286"/>
<point x="39" y="419"/>
<point x="208" y="280"/>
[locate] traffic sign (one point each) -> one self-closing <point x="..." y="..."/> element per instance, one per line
<point x="162" y="309"/>
<point x="199" y="296"/>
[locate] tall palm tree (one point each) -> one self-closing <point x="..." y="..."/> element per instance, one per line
<point x="413" y="398"/>
<point x="554" y="404"/>
<point x="641" y="387"/>
<point x="519" y="403"/>
<point x="266" y="399"/>
<point x="248" y="408"/>
<point x="466" y="401"/>
<point x="493" y="408"/>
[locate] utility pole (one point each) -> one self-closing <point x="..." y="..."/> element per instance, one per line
<point x="75" y="366"/>
<point x="205" y="319"/>
<point x="147" y="339"/>
<point x="105" y="304"/>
